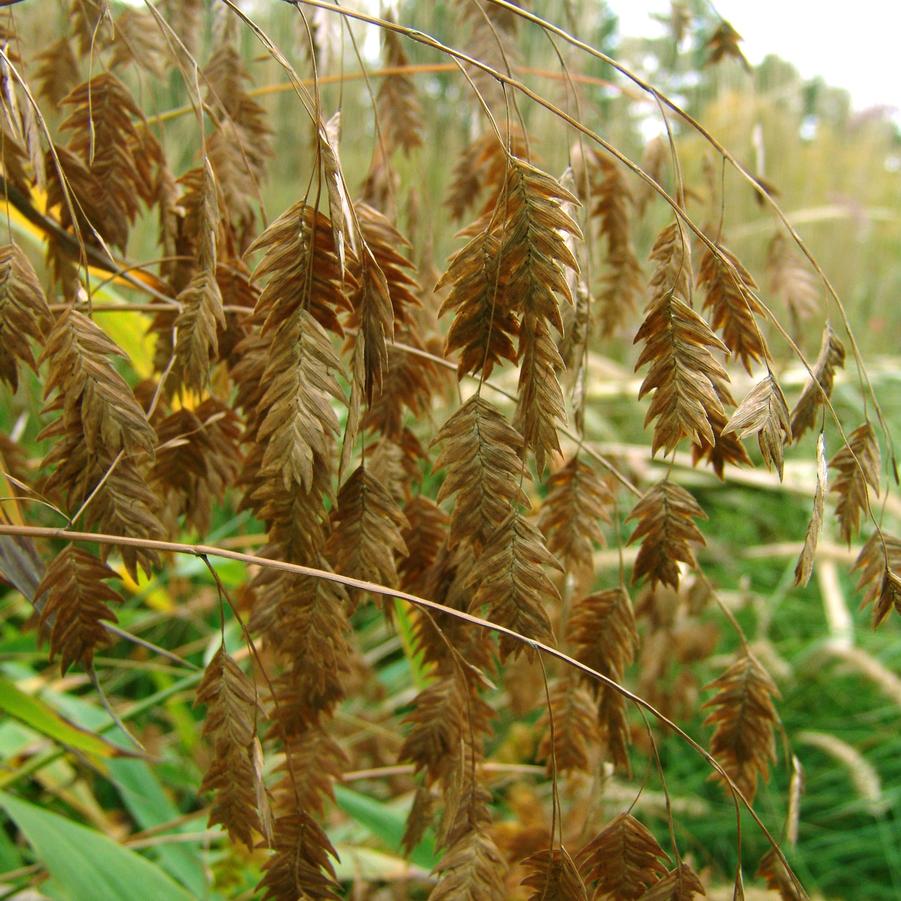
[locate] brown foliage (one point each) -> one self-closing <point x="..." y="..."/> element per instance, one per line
<point x="729" y="286"/>
<point x="185" y="17"/>
<point x="686" y="379"/>
<point x="138" y="41"/>
<point x="299" y="866"/>
<point x="726" y="447"/>
<point x="410" y="385"/>
<point x="804" y="568"/>
<point x="366" y="531"/>
<point x="680" y="884"/>
<point x="570" y="728"/>
<point x="91" y="21"/>
<point x="13" y="155"/>
<point x="72" y="600"/>
<point x="399" y="110"/>
<point x="58" y="73"/>
<point x="387" y="246"/>
<point x="507" y="283"/>
<point x="510" y="579"/>
<point x="470" y="870"/>
<point x="744" y="719"/>
<point x="622" y="861"/>
<point x="791" y="280"/>
<point x="448" y="582"/>
<point x="819" y="389"/>
<point x="305" y="621"/>
<point x="119" y="154"/>
<point x="765" y="412"/>
<point x="671" y="255"/>
<point x="301" y="269"/>
<point x="296" y="421"/>
<point x="604" y="636"/>
<point x="314" y="761"/>
<point x="24" y="312"/>
<point x="485" y="326"/>
<point x="535" y="259"/>
<point x="99" y="438"/>
<point x="197" y="458"/>
<point x="552" y="876"/>
<point x="879" y="563"/>
<point x="426" y="532"/>
<point x="578" y="501"/>
<point x="481" y="455"/>
<point x="197" y="326"/>
<point x="438" y="724"/>
<point x="482" y="166"/>
<point x="287" y="377"/>
<point x="856" y="468"/>
<point x="665" y="524"/>
<point x="622" y="283"/>
<point x="777" y="877"/>
<point x="90" y="391"/>
<point x="373" y="310"/>
<point x="603" y="633"/>
<point x="225" y="77"/>
<point x="724" y="43"/>
<point x="235" y="770"/>
<point x="492" y="39"/>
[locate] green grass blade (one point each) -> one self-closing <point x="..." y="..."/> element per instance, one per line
<point x="89" y="865"/>
<point x="36" y="714"/>
<point x="387" y="822"/>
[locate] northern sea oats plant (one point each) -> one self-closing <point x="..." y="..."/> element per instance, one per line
<point x="261" y="332"/>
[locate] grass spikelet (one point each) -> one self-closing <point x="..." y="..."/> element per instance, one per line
<point x="24" y="312"/>
<point x="578" y="501"/>
<point x="879" y="564"/>
<point x="729" y="296"/>
<point x="73" y="602"/>
<point x="765" y="412"/>
<point x="665" y="515"/>
<point x="744" y="719"/>
<point x="234" y="773"/>
<point x="623" y="860"/>
<point x="510" y="579"/>
<point x="818" y="389"/>
<point x="856" y="468"/>
<point x="553" y="876"/>
<point x="480" y="452"/>
<point x="684" y="375"/>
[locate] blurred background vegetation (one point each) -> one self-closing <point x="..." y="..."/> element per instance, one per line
<point x="837" y="174"/>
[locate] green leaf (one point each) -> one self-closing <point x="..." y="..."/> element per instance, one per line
<point x="404" y="625"/>
<point x="10" y="858"/>
<point x="147" y="801"/>
<point x="88" y="865"/>
<point x="387" y="823"/>
<point x="143" y="793"/>
<point x="35" y="713"/>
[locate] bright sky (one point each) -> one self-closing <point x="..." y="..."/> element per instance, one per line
<point x="851" y="45"/>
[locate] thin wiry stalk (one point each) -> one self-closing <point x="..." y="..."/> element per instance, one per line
<point x="682" y="216"/>
<point x="201" y="550"/>
<point x="727" y="155"/>
<point x="386" y="72"/>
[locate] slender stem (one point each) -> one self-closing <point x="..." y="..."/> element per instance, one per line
<point x="203" y="550"/>
<point x="683" y="217"/>
<point x="284" y="87"/>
